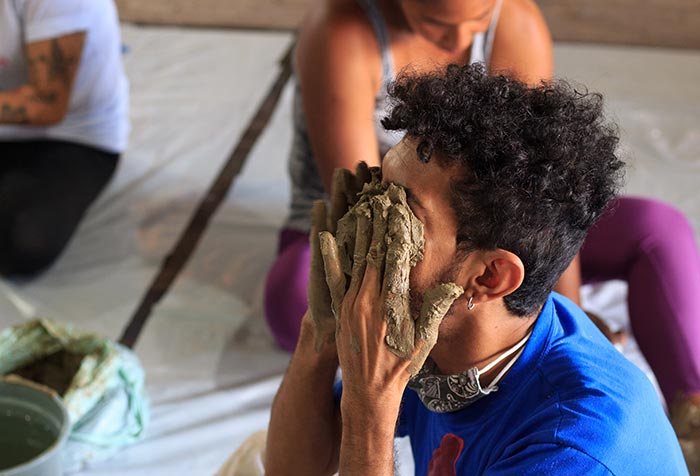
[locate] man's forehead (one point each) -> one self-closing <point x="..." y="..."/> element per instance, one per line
<point x="402" y="167"/>
<point x="399" y="161"/>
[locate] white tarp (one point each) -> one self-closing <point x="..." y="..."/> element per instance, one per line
<point x="192" y="95"/>
<point x="212" y="368"/>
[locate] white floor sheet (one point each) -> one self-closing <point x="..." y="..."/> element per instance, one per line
<point x="206" y="343"/>
<point x="211" y="364"/>
<point x="192" y="95"/>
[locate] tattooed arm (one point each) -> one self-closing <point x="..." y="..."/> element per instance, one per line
<point x="44" y="99"/>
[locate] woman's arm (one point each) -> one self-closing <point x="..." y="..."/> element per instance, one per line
<point x="339" y="70"/>
<point x="522" y="45"/>
<point x="45" y="98"/>
<point x="569" y="283"/>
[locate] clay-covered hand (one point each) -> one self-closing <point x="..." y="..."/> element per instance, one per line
<point x="320" y="304"/>
<point x="369" y="181"/>
<point x="378" y="242"/>
<point x="409" y="337"/>
<point x="346" y="188"/>
<point x="345" y="192"/>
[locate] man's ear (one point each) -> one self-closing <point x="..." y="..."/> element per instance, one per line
<point x="495" y="273"/>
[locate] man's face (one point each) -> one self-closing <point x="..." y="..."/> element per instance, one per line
<point x="427" y="193"/>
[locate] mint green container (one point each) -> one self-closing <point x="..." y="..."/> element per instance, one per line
<point x="34" y="426"/>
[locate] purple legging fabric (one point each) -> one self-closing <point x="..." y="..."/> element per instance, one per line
<point x="644" y="242"/>
<point x="651" y="245"/>
<point x="285" y="288"/>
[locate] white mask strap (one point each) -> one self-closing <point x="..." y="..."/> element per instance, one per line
<point x="519" y="346"/>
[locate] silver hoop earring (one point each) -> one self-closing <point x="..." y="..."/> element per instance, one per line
<point x="470" y="304"/>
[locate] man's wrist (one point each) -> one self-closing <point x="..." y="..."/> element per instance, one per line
<point x="377" y="414"/>
<point x="367" y="439"/>
<point x="307" y="344"/>
<point x="311" y="357"/>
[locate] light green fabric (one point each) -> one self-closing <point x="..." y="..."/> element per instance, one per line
<point x="106" y="399"/>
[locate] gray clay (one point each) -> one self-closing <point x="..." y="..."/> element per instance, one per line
<point x="381" y="229"/>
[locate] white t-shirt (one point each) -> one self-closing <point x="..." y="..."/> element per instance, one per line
<point x="98" y="109"/>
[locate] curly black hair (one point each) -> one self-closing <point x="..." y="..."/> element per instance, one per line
<point x="540" y="164"/>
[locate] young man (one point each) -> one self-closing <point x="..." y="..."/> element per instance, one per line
<point x="506" y="180"/>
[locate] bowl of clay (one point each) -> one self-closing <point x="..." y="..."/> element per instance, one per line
<point x="34" y="426"/>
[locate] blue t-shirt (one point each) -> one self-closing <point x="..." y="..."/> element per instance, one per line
<point x="571" y="405"/>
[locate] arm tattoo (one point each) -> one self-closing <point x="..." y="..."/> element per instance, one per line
<point x="13" y="115"/>
<point x="48" y="97"/>
<point x="59" y="65"/>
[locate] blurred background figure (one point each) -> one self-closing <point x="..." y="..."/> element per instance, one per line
<point x="63" y="122"/>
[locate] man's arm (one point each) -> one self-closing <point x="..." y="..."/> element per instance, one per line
<point x="304" y="432"/>
<point x="45" y="98"/>
<point x="367" y="446"/>
<point x="375" y="375"/>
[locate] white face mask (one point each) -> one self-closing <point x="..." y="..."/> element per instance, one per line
<point x="449" y="393"/>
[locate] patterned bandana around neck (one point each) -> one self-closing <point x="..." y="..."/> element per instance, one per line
<point x="449" y="393"/>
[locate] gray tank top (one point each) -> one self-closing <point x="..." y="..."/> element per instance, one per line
<point x="306" y="182"/>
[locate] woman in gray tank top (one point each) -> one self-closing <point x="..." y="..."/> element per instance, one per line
<point x="347" y="54"/>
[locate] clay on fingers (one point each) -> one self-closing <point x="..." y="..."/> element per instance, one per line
<point x="320" y="302"/>
<point x="342" y="196"/>
<point x="436" y="302"/>
<point x="335" y="279"/>
<point x="380" y="205"/>
<point x="400" y="324"/>
<point x="363" y="235"/>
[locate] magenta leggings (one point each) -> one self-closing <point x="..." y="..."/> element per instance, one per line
<point x="644" y="242"/>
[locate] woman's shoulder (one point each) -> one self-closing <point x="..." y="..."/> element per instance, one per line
<point x="521" y="14"/>
<point x="522" y="43"/>
<point x="338" y="23"/>
<point x="336" y="35"/>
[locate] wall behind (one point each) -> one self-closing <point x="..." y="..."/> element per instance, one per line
<point x="670" y="23"/>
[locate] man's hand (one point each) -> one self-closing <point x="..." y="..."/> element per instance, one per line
<point x="380" y="345"/>
<point x="388" y="237"/>
<point x="319" y="295"/>
<point x="378" y="340"/>
<point x="344" y="194"/>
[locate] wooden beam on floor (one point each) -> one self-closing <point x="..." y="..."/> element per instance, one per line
<point x="176" y="259"/>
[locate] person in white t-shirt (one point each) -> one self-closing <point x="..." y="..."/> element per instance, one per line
<point x="63" y="122"/>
